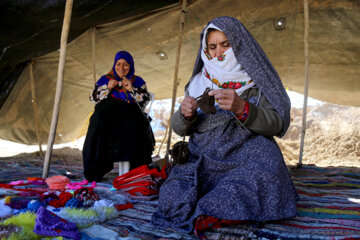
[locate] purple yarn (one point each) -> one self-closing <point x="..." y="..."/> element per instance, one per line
<point x="48" y="198"/>
<point x="28" y="194"/>
<point x="49" y="224"/>
<point x="38" y="182"/>
<point x="19" y="204"/>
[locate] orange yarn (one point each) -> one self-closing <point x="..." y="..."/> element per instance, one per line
<point x="34" y="179"/>
<point x="57" y="182"/>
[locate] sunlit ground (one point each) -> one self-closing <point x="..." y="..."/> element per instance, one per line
<point x="8" y="149"/>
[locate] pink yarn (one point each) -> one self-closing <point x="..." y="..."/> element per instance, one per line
<point x="17" y="182"/>
<point x="79" y="185"/>
<point x="57" y="182"/>
<point x="76" y="185"/>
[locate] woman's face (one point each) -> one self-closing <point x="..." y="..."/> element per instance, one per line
<point x="122" y="68"/>
<point x="217" y="43"/>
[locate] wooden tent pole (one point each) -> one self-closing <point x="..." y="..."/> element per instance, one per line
<point x="93" y="38"/>
<point x="176" y="81"/>
<point x="36" y="115"/>
<point x="59" y="85"/>
<point x="306" y="87"/>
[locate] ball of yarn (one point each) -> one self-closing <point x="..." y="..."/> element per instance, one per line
<point x="74" y="203"/>
<point x="7" y="200"/>
<point x="34" y="205"/>
<point x="61" y="201"/>
<point x="18" y="203"/>
<point x="57" y="182"/>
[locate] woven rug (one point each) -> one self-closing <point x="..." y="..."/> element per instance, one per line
<point x="21" y="167"/>
<point x="329" y="207"/>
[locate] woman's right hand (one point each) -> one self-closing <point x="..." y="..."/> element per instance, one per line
<point x="112" y="83"/>
<point x="189" y="107"/>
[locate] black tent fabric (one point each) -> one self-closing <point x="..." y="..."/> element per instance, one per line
<point x="32" y="28"/>
<point x="149" y="30"/>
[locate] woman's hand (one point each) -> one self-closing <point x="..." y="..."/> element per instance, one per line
<point x="126" y="83"/>
<point x="188" y="107"/>
<point x="112" y="83"/>
<point x="228" y="100"/>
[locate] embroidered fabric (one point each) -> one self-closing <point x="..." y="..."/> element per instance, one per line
<point x="219" y="72"/>
<point x="140" y="94"/>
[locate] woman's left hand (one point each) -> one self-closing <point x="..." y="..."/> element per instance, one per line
<point x="228" y="100"/>
<point x="126" y="83"/>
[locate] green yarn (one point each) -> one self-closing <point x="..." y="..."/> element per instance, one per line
<point x="26" y="221"/>
<point x="87" y="217"/>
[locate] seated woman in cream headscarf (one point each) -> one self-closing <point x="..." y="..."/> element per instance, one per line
<point x="235" y="170"/>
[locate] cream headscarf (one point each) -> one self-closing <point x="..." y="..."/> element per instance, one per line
<point x="219" y="72"/>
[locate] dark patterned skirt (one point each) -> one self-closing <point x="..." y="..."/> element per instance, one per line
<point x="118" y="131"/>
<point x="231" y="174"/>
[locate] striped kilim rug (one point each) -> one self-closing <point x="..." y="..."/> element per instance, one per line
<point x="329" y="208"/>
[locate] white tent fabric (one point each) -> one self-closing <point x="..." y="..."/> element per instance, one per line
<point x="333" y="75"/>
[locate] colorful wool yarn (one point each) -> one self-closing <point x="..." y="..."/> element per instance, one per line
<point x="4" y="210"/>
<point x="86" y="196"/>
<point x="104" y="203"/>
<point x="7" y="230"/>
<point x="17" y="182"/>
<point x="57" y="182"/>
<point x="28" y="193"/>
<point x="74" y="203"/>
<point x="18" y="203"/>
<point x="87" y="217"/>
<point x="34" y="179"/>
<point x="125" y="206"/>
<point x="49" y="224"/>
<point x="79" y="185"/>
<point x="140" y="181"/>
<point x="7" y="200"/>
<point x="46" y="198"/>
<point x="61" y="201"/>
<point x="27" y="182"/>
<point x="118" y="198"/>
<point x="34" y="205"/>
<point x="27" y="222"/>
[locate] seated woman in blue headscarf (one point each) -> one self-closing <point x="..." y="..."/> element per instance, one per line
<point x="235" y="171"/>
<point x="119" y="131"/>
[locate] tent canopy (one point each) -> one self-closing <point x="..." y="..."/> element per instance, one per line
<point x="147" y="28"/>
